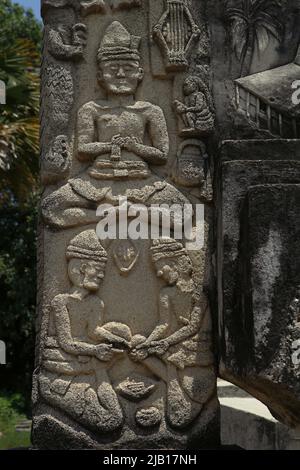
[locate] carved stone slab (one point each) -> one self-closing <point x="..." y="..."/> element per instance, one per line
<point x="124" y="353"/>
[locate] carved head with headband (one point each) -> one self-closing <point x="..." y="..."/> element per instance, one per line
<point x="118" y="60"/>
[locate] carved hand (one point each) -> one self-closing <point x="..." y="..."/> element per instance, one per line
<point x="128" y="143"/>
<point x="158" y="348"/>
<point x="79" y="32"/>
<point x="131" y="143"/>
<point x="180" y="107"/>
<point x="118" y="140"/>
<point x="139" y="354"/>
<point x="105" y="352"/>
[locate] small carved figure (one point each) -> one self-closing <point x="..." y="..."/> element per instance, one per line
<point x="177" y="338"/>
<point x="197" y="111"/>
<point x="119" y="136"/>
<point x="57" y="161"/>
<point x="66" y="42"/>
<point x="78" y="350"/>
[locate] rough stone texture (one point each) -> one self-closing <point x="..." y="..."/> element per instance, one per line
<point x="140" y="99"/>
<point x="259" y="277"/>
<point x="124" y="350"/>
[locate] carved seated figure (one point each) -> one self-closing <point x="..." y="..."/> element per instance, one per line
<point x="119" y="136"/>
<point x="179" y="339"/>
<point x="197" y="111"/>
<point x="78" y="351"/>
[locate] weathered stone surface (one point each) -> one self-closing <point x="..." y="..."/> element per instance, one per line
<point x="124" y="356"/>
<point x="138" y="98"/>
<point x="259" y="275"/>
<point x="271" y="149"/>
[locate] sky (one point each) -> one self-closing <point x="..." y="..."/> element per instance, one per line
<point x="33" y="4"/>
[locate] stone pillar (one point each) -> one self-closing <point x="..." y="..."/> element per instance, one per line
<point x="259" y="313"/>
<point x="124" y="350"/>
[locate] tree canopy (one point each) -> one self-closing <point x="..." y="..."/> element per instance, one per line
<point x="20" y="39"/>
<point x="19" y="23"/>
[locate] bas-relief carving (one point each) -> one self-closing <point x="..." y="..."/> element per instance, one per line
<point x="81" y="349"/>
<point x="192" y="164"/>
<point x="176" y="33"/>
<point x="104" y="6"/>
<point x="197" y="112"/>
<point x="126" y="255"/>
<point x="74" y="373"/>
<point x="88" y="7"/>
<point x="57" y="161"/>
<point x="111" y="136"/>
<point x="166" y="378"/>
<point x="65" y="46"/>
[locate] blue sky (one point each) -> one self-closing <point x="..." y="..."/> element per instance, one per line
<point x="33" y="4"/>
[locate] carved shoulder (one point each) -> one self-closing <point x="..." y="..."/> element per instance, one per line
<point x="60" y="301"/>
<point x="93" y="303"/>
<point x="88" y="108"/>
<point x="152" y="110"/>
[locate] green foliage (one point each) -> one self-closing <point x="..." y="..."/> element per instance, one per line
<point x="11" y="413"/>
<point x="20" y="38"/>
<point x="18" y="292"/>
<point x="19" y="122"/>
<point x="18" y="23"/>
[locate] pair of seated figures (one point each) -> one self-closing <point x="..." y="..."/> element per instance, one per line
<point x="118" y="138"/>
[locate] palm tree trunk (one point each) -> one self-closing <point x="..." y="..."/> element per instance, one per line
<point x="246" y="65"/>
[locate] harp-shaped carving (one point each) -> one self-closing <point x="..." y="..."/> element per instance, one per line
<point x="175" y="33"/>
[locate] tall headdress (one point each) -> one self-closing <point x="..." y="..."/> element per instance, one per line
<point x="87" y="246"/>
<point x="118" y="43"/>
<point x="167" y="248"/>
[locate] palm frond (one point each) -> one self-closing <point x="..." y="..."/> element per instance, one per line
<point x="19" y="122"/>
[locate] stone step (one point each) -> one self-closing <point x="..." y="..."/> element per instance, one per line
<point x="248" y="423"/>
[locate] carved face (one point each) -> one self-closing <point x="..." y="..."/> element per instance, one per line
<point x="189" y="87"/>
<point x="120" y="77"/>
<point x="86" y="274"/>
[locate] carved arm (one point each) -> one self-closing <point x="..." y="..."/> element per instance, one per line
<point x="63" y="330"/>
